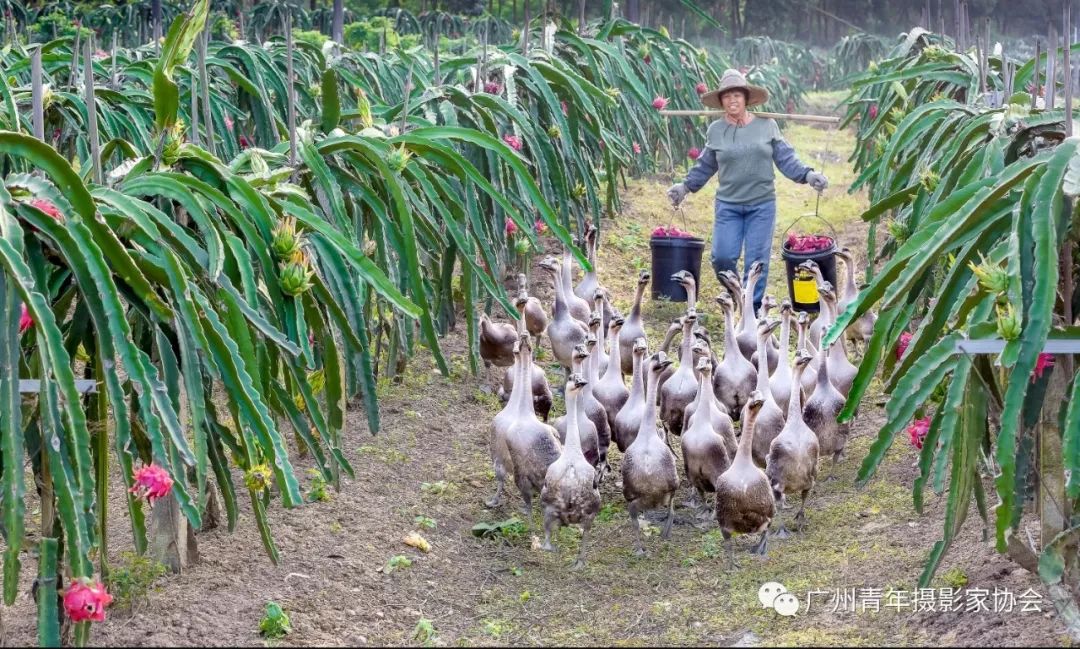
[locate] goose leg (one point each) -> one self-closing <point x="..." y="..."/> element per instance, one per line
<point x="526" y="507"/>
<point x="500" y="484"/>
<point x="550" y="519"/>
<point x="666" y="534"/>
<point x="580" y="562"/>
<point x="800" y="516"/>
<point x="762" y="547"/>
<point x="782" y="532"/>
<point x="639" y="542"/>
<point x="730" y="545"/>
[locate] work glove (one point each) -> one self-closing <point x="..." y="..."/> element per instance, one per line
<point x="677" y="193"/>
<point x="817" y="181"/>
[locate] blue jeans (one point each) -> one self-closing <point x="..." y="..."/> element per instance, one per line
<point x="744" y="226"/>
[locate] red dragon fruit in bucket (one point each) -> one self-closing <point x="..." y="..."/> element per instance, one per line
<point x="805" y="243"/>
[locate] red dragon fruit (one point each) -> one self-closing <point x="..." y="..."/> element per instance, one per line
<point x="513" y="140"/>
<point x="152" y="482"/>
<point x="25" y="321"/>
<point x="918" y="430"/>
<point x="671" y="231"/>
<point x="659" y="103"/>
<point x="701" y="88"/>
<point x="808" y="243"/>
<point x="85" y="600"/>
<point x="694" y="153"/>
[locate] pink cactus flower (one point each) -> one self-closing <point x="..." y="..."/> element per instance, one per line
<point x="510" y="227"/>
<point x="492" y="88"/>
<point x="86" y="600"/>
<point x="539" y="227"/>
<point x="152" y="482"/>
<point x="513" y="140"/>
<point x="1042" y="363"/>
<point x="873" y="111"/>
<point x="701" y="88"/>
<point x="918" y="430"/>
<point x="228" y="123"/>
<point x="901" y="345"/>
<point x="659" y="103"/>
<point x="25" y="321"/>
<point x="47" y="206"/>
<point x="636" y="147"/>
<point x="694" y="153"/>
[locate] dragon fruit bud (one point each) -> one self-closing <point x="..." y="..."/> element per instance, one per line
<point x="659" y="103"/>
<point x="25" y="321"/>
<point x="510" y="226"/>
<point x="85" y="600"/>
<point x="522" y="246"/>
<point x="398" y="158"/>
<point x="287" y="240"/>
<point x="539" y="227"/>
<point x="873" y="111"/>
<point x="554" y="132"/>
<point x="492" y="88"/>
<point x="296" y="274"/>
<point x="152" y="482"/>
<point x="694" y="153"/>
<point x="258" y="478"/>
<point x="637" y="147"/>
<point x="701" y="88"/>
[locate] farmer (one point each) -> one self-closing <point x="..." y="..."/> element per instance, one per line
<point x="742" y="149"/>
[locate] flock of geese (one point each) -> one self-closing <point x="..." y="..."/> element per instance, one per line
<point x="786" y="405"/>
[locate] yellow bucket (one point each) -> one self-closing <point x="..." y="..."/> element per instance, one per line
<point x="804" y="286"/>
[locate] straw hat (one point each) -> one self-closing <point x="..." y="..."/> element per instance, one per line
<point x="734" y="80"/>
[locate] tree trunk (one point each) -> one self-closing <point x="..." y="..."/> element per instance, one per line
<point x="337" y="31"/>
<point x="155" y="18"/>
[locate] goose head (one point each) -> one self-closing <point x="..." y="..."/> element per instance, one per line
<point x="684" y="279"/>
<point x="725" y="301"/>
<point x="730" y="281"/>
<point x="827" y="292"/>
<point x="640" y="347"/>
<point x="551" y="264"/>
<point x="581" y="351"/>
<point x="802" y="358"/>
<point x="574" y="383"/>
<point x="785" y="307"/>
<point x="756" y="269"/>
<point x="594" y="322"/>
<point x="616" y="325"/>
<point x="755" y="401"/>
<point x="704" y="367"/>
<point x="802" y="318"/>
<point x="521" y="300"/>
<point x="643" y="278"/>
<point x="659" y="362"/>
<point x="766" y="327"/>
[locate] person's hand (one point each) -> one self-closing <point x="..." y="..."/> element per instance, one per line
<point x="817" y="181"/>
<point x="677" y="193"/>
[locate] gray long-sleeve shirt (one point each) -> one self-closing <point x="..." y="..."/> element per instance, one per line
<point x="743" y="158"/>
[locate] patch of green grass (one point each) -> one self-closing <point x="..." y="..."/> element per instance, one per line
<point x="424" y="632"/>
<point x="275" y="622"/>
<point x="954" y="577"/>
<point x="396" y="562"/>
<point x="317" y="492"/>
<point x="131" y="579"/>
<point x="425" y="522"/>
<point x="512" y="529"/>
<point x="384" y="454"/>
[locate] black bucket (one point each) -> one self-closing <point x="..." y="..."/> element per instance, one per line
<point x="669" y="256"/>
<point x="802" y="286"/>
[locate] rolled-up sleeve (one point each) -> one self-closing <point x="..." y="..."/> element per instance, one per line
<point x="786" y="160"/>
<point x="702" y="171"/>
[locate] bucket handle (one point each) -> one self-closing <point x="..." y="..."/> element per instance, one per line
<point x="835" y="237"/>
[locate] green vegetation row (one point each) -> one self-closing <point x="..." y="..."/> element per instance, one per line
<point x="975" y="188"/>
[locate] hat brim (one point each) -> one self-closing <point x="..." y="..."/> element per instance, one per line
<point x="756" y="96"/>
